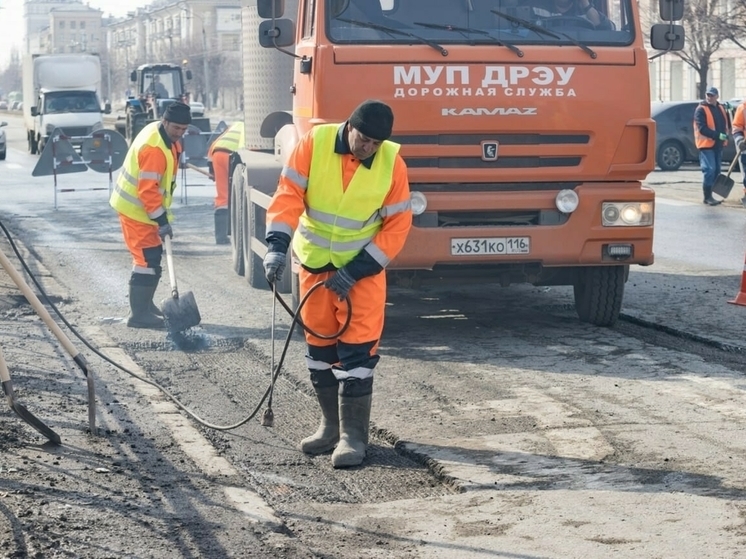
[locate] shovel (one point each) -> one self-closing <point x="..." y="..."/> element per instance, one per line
<point x="724" y="183"/>
<point x="22" y="412"/>
<point x="80" y="360"/>
<point x="180" y="312"/>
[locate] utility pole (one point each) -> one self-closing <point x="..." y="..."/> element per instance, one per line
<point x="206" y="69"/>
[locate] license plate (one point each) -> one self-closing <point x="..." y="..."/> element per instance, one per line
<point x="488" y="246"/>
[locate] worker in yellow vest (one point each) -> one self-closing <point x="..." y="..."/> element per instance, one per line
<point x="344" y="193"/>
<point x="219" y="156"/>
<point x="142" y="197"/>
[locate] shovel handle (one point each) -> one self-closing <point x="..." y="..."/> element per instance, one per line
<point x="37" y="305"/>
<point x="733" y="163"/>
<point x="170" y="266"/>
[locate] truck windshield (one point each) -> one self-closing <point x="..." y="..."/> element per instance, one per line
<point x="71" y="102"/>
<point x="579" y="22"/>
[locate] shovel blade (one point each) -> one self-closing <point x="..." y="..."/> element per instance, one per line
<point x="181" y="313"/>
<point x="723" y="186"/>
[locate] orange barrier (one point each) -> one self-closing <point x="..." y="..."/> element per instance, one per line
<point x="740" y="299"/>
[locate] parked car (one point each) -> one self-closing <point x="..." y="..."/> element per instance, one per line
<point x="674" y="135"/>
<point x="3" y="140"/>
<point x="14" y="106"/>
<point x="3" y="105"/>
<point x="197" y="109"/>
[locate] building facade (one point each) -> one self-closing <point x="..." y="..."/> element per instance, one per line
<point x="202" y="35"/>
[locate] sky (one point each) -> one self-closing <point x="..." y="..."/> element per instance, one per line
<point x="11" y="21"/>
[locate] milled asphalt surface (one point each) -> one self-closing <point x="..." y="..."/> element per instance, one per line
<point x="688" y="302"/>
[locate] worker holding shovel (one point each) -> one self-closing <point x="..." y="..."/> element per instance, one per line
<point x="142" y="197"/>
<point x="345" y="194"/>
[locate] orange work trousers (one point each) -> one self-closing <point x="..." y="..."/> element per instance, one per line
<point x="325" y="313"/>
<point x="141" y="240"/>
<point x="220" y="170"/>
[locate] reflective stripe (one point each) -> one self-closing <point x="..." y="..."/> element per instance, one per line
<point x="318" y="365"/>
<point x="127" y="196"/>
<point x="149" y="175"/>
<point x="338" y="246"/>
<point x="295" y="176"/>
<point x="393" y="209"/>
<point x="331" y="219"/>
<point x="144" y="271"/>
<point x="357" y="372"/>
<point x="280" y="228"/>
<point x="156" y="214"/>
<point x="377" y="254"/>
<point x="124" y="175"/>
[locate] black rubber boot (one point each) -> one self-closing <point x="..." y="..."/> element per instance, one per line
<point x="354" y="422"/>
<point x="141" y="298"/>
<point x="327" y="435"/>
<point x="709" y="200"/>
<point x="222" y="226"/>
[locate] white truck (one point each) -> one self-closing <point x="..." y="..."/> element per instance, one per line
<point x="61" y="91"/>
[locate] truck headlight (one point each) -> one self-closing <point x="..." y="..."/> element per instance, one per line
<point x="97" y="126"/>
<point x="50" y="128"/>
<point x="419" y="202"/>
<point x="626" y="214"/>
<point x="566" y="201"/>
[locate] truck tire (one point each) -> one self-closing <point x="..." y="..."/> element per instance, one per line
<point x="255" y="227"/>
<point x="235" y="211"/>
<point x="33" y="146"/>
<point x="599" y="291"/>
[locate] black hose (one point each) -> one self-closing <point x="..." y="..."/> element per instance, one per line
<point x="174" y="399"/>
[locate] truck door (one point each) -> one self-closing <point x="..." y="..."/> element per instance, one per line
<point x="304" y="92"/>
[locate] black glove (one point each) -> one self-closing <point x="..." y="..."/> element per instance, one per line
<point x="274" y="265"/>
<point x="164" y="231"/>
<point x="742" y="145"/>
<point x="340" y="283"/>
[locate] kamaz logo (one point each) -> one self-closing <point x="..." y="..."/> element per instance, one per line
<point x="488" y="112"/>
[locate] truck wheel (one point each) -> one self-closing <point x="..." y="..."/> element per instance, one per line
<point x="33" y="147"/>
<point x="235" y="213"/>
<point x="255" y="227"/>
<point x="2" y="155"/>
<point x="599" y="291"/>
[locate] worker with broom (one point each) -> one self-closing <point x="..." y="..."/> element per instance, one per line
<point x="219" y="156"/>
<point x="345" y="194"/>
<point x="142" y="197"/>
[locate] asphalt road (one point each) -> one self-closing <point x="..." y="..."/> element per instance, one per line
<point x="503" y="427"/>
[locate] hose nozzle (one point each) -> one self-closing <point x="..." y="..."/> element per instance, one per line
<point x="268" y="418"/>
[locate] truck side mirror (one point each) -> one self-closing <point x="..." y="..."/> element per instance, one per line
<point x="133" y="76"/>
<point x="189" y="74"/>
<point x="34" y="112"/>
<point x="270" y="8"/>
<point x="667" y="37"/>
<point x="277" y="33"/>
<point x="671" y="10"/>
<point x="107" y="108"/>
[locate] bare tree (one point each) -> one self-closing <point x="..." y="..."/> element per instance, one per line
<point x="10" y="77"/>
<point x="709" y="24"/>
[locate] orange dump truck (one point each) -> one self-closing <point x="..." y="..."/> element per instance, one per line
<point x="526" y="132"/>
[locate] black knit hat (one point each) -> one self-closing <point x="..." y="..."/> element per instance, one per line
<point x="178" y="113"/>
<point x="373" y="118"/>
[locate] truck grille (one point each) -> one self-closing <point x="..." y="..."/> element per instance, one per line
<point x="76" y="131"/>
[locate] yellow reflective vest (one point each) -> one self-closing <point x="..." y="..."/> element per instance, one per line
<point x="124" y="199"/>
<point x="230" y="140"/>
<point x="337" y="223"/>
